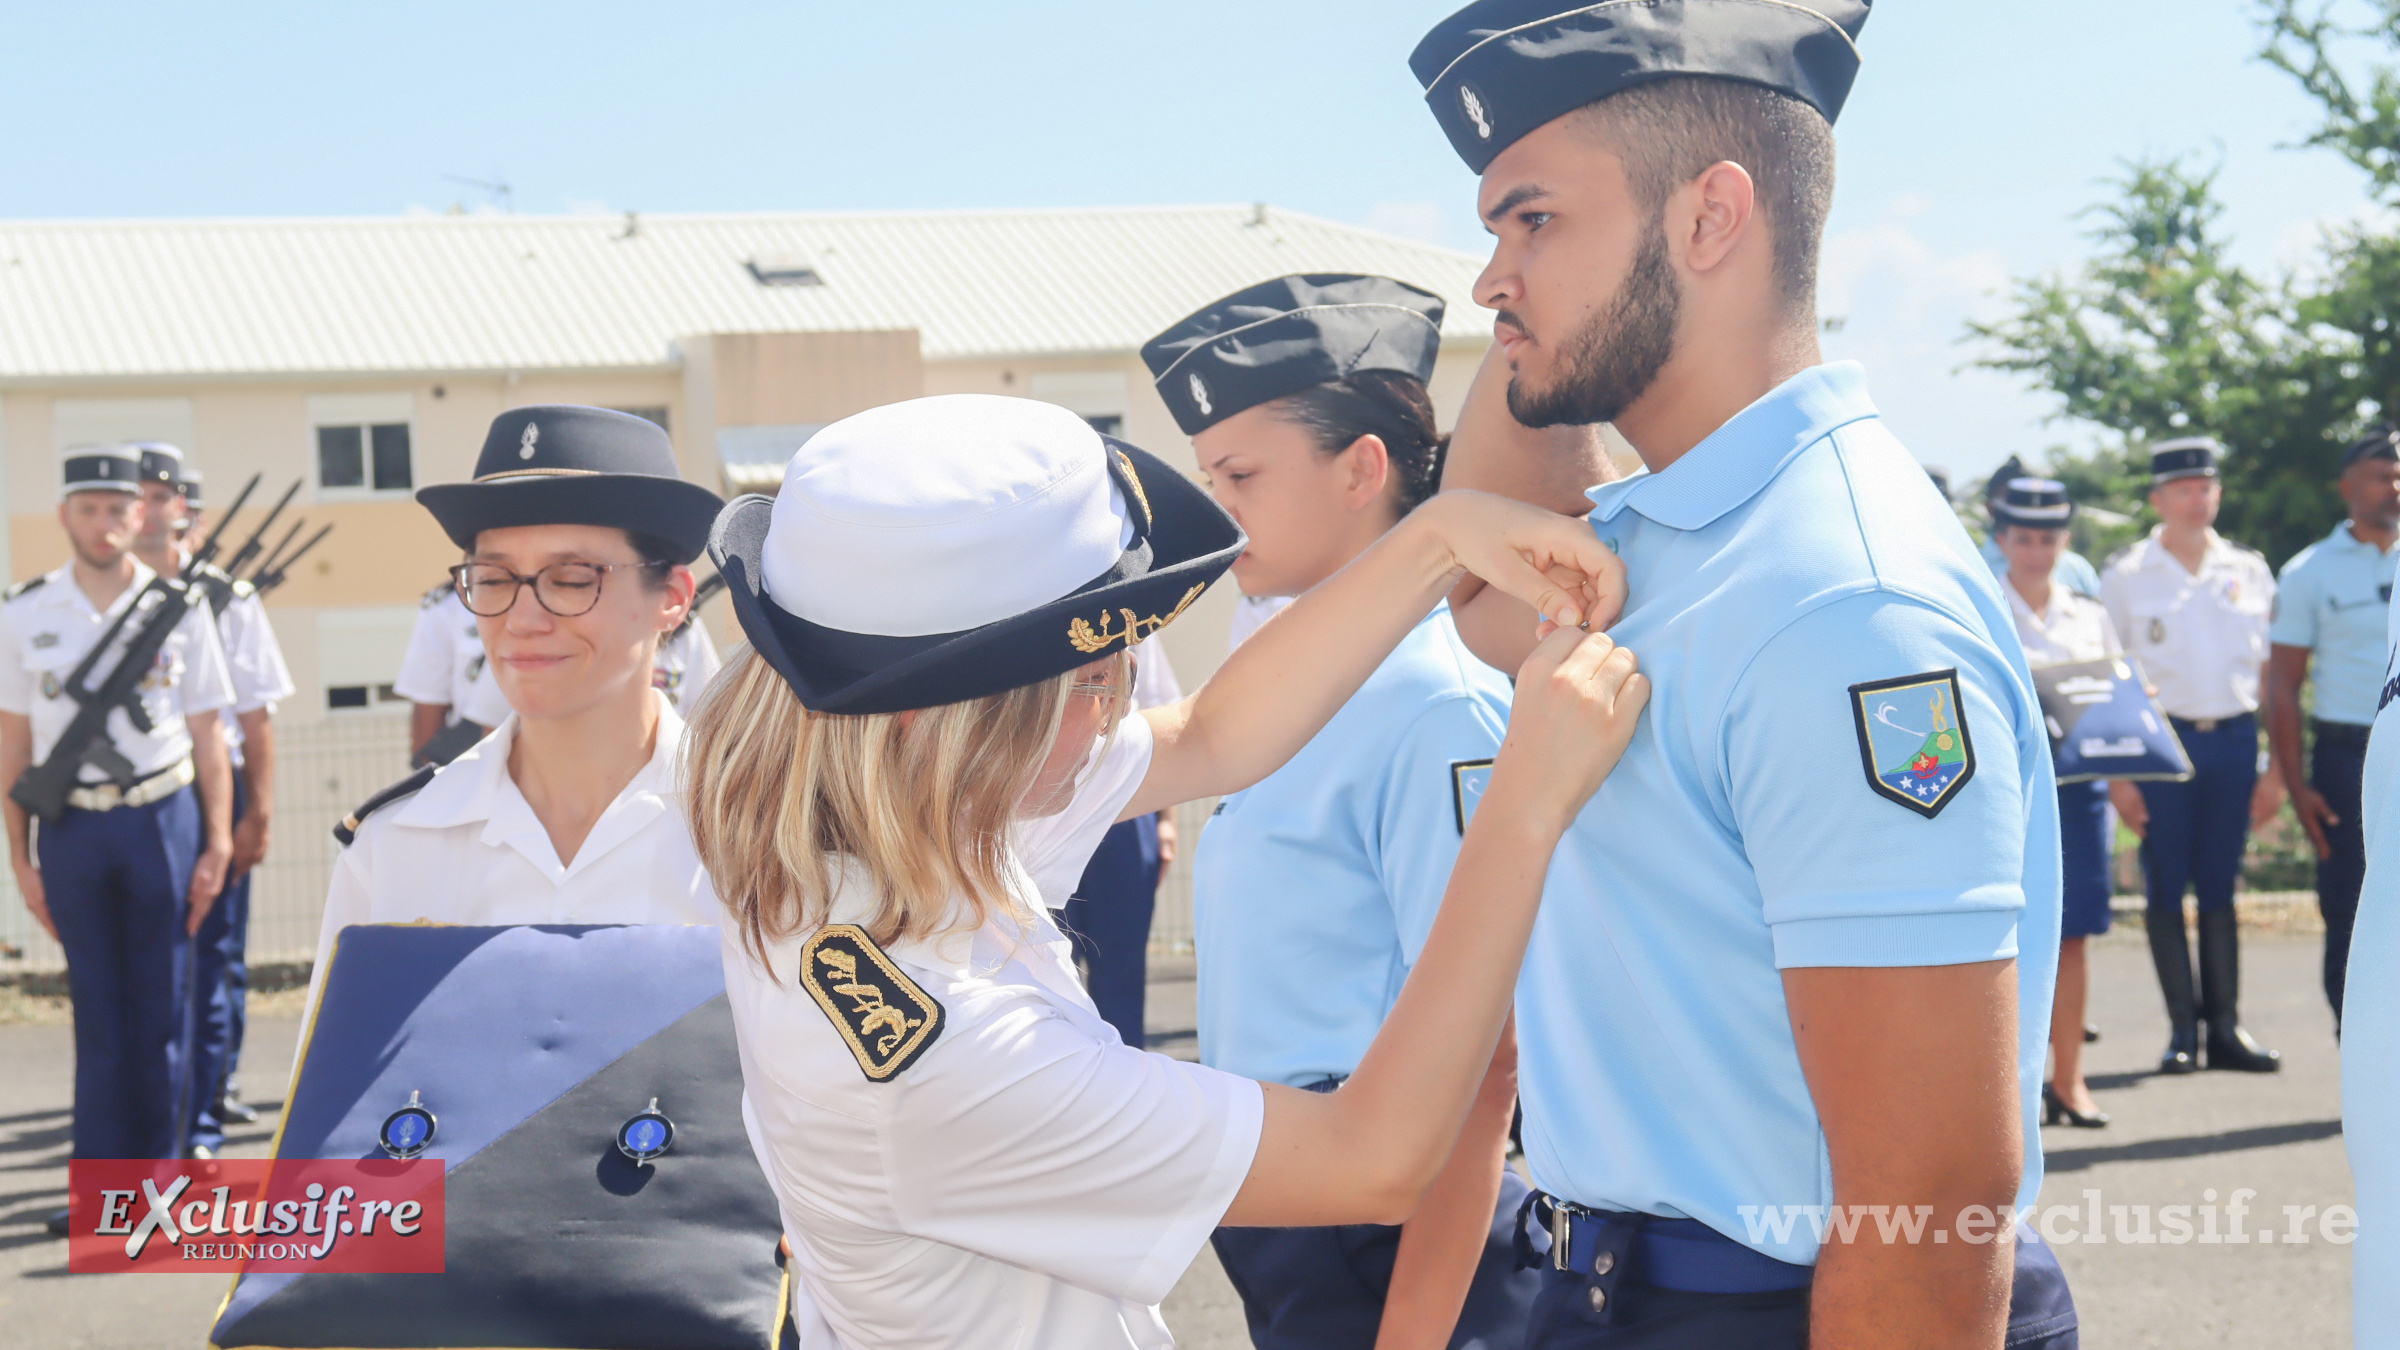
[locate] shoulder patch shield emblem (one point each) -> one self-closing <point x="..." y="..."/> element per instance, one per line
<point x="883" y="1016"/>
<point x="1468" y="779"/>
<point x="1912" y="737"/>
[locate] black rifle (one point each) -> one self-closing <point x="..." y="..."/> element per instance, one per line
<point x="270" y="578"/>
<point x="266" y="561"/>
<point x="217" y="583"/>
<point x="43" y="788"/>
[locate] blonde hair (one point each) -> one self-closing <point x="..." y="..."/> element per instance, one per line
<point x="777" y="796"/>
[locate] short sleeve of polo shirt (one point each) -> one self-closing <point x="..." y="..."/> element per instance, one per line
<point x="16" y="682"/>
<point x="207" y="684"/>
<point x="425" y="666"/>
<point x="1419" y="825"/>
<point x="2295" y="623"/>
<point x="1848" y="876"/>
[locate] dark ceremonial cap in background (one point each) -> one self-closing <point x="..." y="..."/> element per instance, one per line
<point x="949" y="548"/>
<point x="1498" y="69"/>
<point x="115" y="468"/>
<point x="2189" y="457"/>
<point x="563" y="464"/>
<point x="2039" y="502"/>
<point x="1282" y="336"/>
<point x="2381" y="442"/>
<point x="2011" y="469"/>
<point x="161" y="462"/>
<point x="533" y="1045"/>
<point x="188" y="485"/>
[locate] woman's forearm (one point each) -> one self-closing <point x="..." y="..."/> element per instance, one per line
<point x="1443" y="1242"/>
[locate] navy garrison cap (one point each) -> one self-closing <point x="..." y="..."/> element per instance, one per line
<point x="2190" y="457"/>
<point x="161" y="462"/>
<point x="2381" y="442"/>
<point x="2037" y="502"/>
<point x="112" y="468"/>
<point x="563" y="464"/>
<point x="1498" y="69"/>
<point x="188" y="485"/>
<point x="1282" y="336"/>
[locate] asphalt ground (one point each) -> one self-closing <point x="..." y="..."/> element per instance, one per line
<point x="2172" y="1140"/>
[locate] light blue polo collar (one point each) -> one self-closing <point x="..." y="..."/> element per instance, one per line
<point x="1744" y="455"/>
<point x="2342" y="536"/>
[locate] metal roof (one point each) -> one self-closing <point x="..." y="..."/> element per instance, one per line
<point x="184" y="298"/>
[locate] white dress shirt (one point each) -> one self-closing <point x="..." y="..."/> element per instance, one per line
<point x="2071" y="628"/>
<point x="2201" y="637"/>
<point x="45" y="631"/>
<point x="467" y="849"/>
<point x="445" y="663"/>
<point x="687" y="661"/>
<point x="1030" y="1182"/>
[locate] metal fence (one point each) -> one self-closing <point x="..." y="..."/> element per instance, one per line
<point x="325" y="768"/>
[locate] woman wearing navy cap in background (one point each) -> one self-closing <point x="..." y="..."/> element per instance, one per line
<point x="1314" y="890"/>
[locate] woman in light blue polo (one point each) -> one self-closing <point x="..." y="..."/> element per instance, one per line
<point x="1313" y="890"/>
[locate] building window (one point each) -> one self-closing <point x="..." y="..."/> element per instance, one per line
<point x="1107" y="424"/>
<point x="370" y="458"/>
<point x="360" y="697"/>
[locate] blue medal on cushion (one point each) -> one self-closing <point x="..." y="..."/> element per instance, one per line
<point x="2104" y="724"/>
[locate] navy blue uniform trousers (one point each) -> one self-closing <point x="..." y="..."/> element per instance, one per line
<point x="1108" y="920"/>
<point x="115" y="882"/>
<point x="1323" y="1288"/>
<point x="2337" y="769"/>
<point x="220" y="996"/>
<point x="2198" y="827"/>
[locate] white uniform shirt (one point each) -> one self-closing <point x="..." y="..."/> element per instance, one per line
<point x="1030" y="1182"/>
<point x="445" y="663"/>
<point x="687" y="661"/>
<point x="253" y="658"/>
<point x="2201" y="638"/>
<point x="2072" y="628"/>
<point x="467" y="849"/>
<point x="44" y="633"/>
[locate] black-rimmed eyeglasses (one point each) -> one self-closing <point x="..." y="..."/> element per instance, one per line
<point x="566" y="589"/>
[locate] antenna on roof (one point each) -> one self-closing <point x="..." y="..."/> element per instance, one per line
<point x="501" y="192"/>
<point x="1258" y="213"/>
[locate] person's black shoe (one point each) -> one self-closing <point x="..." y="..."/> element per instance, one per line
<point x="2229" y="1046"/>
<point x="2183" y="1051"/>
<point x="2055" y="1110"/>
<point x="56" y="1224"/>
<point x="2172" y="958"/>
<point x="235" y="1111"/>
<point x="2090" y="1033"/>
<point x="2236" y="1050"/>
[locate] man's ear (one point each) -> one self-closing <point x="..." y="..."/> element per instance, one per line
<point x="1720" y="209"/>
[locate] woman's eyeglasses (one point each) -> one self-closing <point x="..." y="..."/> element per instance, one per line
<point x="566" y="589"/>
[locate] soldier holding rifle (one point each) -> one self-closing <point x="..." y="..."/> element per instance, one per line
<point x="111" y="679"/>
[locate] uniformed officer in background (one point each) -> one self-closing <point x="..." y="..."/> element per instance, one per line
<point x="2074" y="571"/>
<point x="2331" y="603"/>
<point x="1798" y="950"/>
<point x="172" y="502"/>
<point x="2192" y="606"/>
<point x="128" y="873"/>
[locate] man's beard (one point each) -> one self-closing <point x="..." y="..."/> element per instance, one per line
<point x="1612" y="360"/>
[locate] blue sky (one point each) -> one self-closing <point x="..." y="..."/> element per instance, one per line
<point x="1975" y="134"/>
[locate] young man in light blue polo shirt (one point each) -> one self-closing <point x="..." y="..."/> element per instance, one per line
<point x="2332" y="603"/>
<point x="1795" y="960"/>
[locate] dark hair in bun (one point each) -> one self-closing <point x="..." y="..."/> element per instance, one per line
<point x="1386" y="404"/>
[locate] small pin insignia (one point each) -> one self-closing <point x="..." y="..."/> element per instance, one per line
<point x="407" y="1131"/>
<point x="525" y="443"/>
<point x="646" y="1134"/>
<point x="1473" y="104"/>
<point x="1200" y="396"/>
<point x="2158" y="630"/>
<point x="44" y="641"/>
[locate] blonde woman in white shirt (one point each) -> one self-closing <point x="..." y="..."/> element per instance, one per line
<point x="577" y="536"/>
<point x="907" y="770"/>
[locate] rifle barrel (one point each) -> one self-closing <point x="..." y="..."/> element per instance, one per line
<point x="266" y="561"/>
<point x="249" y="548"/>
<point x="208" y="547"/>
<point x="270" y="581"/>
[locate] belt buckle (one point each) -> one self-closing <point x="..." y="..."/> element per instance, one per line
<point x="2205" y="724"/>
<point x="1562" y="1232"/>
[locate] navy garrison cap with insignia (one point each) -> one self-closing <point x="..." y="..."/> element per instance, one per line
<point x="104" y="468"/>
<point x="949" y="548"/>
<point x="161" y="462"/>
<point x="534" y="1063"/>
<point x="2189" y="457"/>
<point x="2381" y="442"/>
<point x="188" y="486"/>
<point x="2040" y="503"/>
<point x="1282" y="336"/>
<point x="1499" y="69"/>
<point x="568" y="465"/>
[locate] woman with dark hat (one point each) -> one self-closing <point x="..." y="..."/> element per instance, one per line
<point x="908" y="769"/>
<point x="2059" y="625"/>
<point x="1313" y="891"/>
<point x="577" y="536"/>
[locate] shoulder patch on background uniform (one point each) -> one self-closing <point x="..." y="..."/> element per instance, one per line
<point x="885" y="1019"/>
<point x="434" y="596"/>
<point x="347" y="831"/>
<point x="1913" y="739"/>
<point x="26" y="587"/>
<point x="1468" y="779"/>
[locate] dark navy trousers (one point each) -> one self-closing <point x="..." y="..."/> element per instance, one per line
<point x="1323" y="1288"/>
<point x="116" y="882"/>
<point x="2198" y="827"/>
<point x="1109" y="923"/>
<point x="2337" y="769"/>
<point x="220" y="996"/>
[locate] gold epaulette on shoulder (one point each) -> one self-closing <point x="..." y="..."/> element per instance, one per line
<point x="882" y="1015"/>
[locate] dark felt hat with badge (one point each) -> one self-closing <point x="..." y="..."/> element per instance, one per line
<point x="950" y="548"/>
<point x="1498" y="69"/>
<point x="2189" y="457"/>
<point x="563" y="464"/>
<point x="1282" y="336"/>
<point x="2381" y="442"/>
<point x="107" y="468"/>
<point x="2037" y="503"/>
<point x="161" y="462"/>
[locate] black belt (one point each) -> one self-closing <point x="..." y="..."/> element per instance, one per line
<point x="2205" y="725"/>
<point x="1603" y="1245"/>
<point x="2349" y="735"/>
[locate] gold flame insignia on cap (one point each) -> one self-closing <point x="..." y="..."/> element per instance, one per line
<point x="1093" y="641"/>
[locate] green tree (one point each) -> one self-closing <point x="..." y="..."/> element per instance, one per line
<point x="2159" y="334"/>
